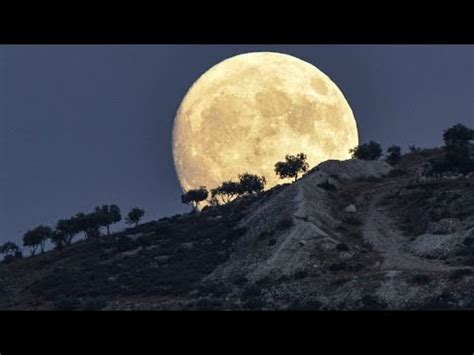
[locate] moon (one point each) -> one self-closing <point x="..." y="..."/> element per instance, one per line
<point x="247" y="112"/>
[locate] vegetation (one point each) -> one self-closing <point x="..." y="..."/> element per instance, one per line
<point x="367" y="151"/>
<point x="10" y="251"/>
<point x="414" y="149"/>
<point x="292" y="166"/>
<point x="250" y="183"/>
<point x="458" y="134"/>
<point x="68" y="228"/>
<point x="37" y="238"/>
<point x="394" y="155"/>
<point x="108" y="215"/>
<point x="226" y="192"/>
<point x="457" y="152"/>
<point x="134" y="216"/>
<point x="195" y="197"/>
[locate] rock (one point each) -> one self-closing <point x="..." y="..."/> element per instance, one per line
<point x="302" y="243"/>
<point x="350" y="209"/>
<point x="444" y="226"/>
<point x="187" y="246"/>
<point x="134" y="236"/>
<point x="133" y="252"/>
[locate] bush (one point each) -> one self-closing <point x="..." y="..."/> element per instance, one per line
<point x="342" y="247"/>
<point x="338" y="266"/>
<point x="394" y="155"/>
<point x="250" y="183"/>
<point x="458" y="134"/>
<point x="367" y="151"/>
<point x="292" y="166"/>
<point x="327" y="186"/>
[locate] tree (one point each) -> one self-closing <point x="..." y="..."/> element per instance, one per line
<point x="292" y="166"/>
<point x="195" y="196"/>
<point x="457" y="158"/>
<point x="9" y="249"/>
<point x="457" y="153"/>
<point x="250" y="183"/>
<point x="69" y="228"/>
<point x="108" y="215"/>
<point x="58" y="238"/>
<point x="227" y="191"/>
<point x="88" y="223"/>
<point x="458" y="134"/>
<point x="37" y="238"/>
<point x="414" y="149"/>
<point x="367" y="151"/>
<point x="134" y="216"/>
<point x="394" y="155"/>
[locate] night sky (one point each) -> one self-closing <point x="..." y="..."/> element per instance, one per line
<point x="82" y="126"/>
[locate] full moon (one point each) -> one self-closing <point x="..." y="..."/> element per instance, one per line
<point x="249" y="111"/>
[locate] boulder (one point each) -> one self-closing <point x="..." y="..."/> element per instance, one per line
<point x="187" y="246"/>
<point x="350" y="209"/>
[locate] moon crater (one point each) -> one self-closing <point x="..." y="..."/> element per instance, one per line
<point x="249" y="111"/>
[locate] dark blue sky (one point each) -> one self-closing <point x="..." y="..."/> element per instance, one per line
<point x="87" y="125"/>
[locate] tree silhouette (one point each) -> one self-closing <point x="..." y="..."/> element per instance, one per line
<point x="367" y="151"/>
<point x="292" y="166"/>
<point x="69" y="228"/>
<point x="414" y="149"/>
<point x="9" y="248"/>
<point x="394" y="154"/>
<point x="250" y="183"/>
<point x="108" y="215"/>
<point x="58" y="238"/>
<point x="458" y="134"/>
<point x="134" y="216"/>
<point x="195" y="196"/>
<point x="227" y="191"/>
<point x="457" y="153"/>
<point x="88" y="223"/>
<point x="37" y="238"/>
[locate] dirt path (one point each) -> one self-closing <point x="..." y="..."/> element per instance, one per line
<point x="379" y="230"/>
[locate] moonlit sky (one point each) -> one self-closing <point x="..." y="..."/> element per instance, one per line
<point x="82" y="125"/>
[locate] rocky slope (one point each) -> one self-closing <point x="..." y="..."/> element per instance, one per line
<point x="348" y="235"/>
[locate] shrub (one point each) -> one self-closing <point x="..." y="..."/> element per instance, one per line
<point x="250" y="183"/>
<point x="134" y="216"/>
<point x="338" y="266"/>
<point x="292" y="166"/>
<point x="342" y="247"/>
<point x="394" y="155"/>
<point x="458" y="134"/>
<point x="327" y="186"/>
<point x="367" y="151"/>
<point x="227" y="191"/>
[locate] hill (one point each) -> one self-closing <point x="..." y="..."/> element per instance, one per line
<point x="348" y="235"/>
